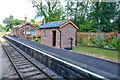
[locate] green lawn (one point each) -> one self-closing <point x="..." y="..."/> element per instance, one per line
<point x="39" y="40"/>
<point x="97" y="52"/>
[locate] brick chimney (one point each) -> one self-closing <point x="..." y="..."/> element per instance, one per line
<point x="25" y="19"/>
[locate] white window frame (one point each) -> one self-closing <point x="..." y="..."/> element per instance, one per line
<point x="45" y="34"/>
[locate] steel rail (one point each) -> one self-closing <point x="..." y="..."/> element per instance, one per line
<point x="30" y="61"/>
<point x="17" y="70"/>
<point x="12" y="62"/>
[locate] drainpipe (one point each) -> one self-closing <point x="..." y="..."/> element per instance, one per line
<point x="76" y="38"/>
<point x="60" y="37"/>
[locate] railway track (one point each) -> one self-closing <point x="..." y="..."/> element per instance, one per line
<point x="25" y="68"/>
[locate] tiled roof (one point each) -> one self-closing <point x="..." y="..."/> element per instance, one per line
<point x="20" y="25"/>
<point x="54" y="24"/>
<point x="33" y="29"/>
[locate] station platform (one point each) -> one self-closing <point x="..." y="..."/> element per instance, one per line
<point x="95" y="65"/>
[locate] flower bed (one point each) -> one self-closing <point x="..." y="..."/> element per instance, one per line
<point x="102" y="41"/>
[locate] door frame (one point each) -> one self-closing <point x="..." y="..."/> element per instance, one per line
<point x="53" y="32"/>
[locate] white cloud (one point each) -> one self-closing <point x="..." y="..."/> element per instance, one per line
<point x="17" y="8"/>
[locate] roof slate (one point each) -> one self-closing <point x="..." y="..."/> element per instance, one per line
<point x="54" y="24"/>
<point x="33" y="29"/>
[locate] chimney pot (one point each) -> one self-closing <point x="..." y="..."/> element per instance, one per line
<point x="25" y="19"/>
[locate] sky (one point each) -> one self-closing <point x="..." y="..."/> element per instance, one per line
<point x="17" y="8"/>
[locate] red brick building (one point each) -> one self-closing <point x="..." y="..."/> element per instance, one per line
<point x="26" y="29"/>
<point x="59" y="34"/>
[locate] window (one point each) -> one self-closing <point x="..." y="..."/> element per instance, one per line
<point x="33" y="32"/>
<point x="23" y="32"/>
<point x="45" y="34"/>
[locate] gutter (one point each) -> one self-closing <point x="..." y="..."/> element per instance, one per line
<point x="60" y="36"/>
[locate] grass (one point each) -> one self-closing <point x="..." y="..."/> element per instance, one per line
<point x="98" y="52"/>
<point x="38" y="41"/>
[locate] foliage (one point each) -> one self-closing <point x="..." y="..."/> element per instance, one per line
<point x="11" y="31"/>
<point x="89" y="16"/>
<point x="49" y="9"/>
<point x="16" y="22"/>
<point x="33" y="21"/>
<point x="34" y="37"/>
<point x="102" y="13"/>
<point x="112" y="41"/>
<point x="37" y="25"/>
<point x="10" y="22"/>
<point x="86" y="26"/>
<point x="2" y="28"/>
<point x="39" y="37"/>
<point x="77" y="11"/>
<point x="100" y="40"/>
<point x="116" y="23"/>
<point x="81" y="41"/>
<point x="37" y="40"/>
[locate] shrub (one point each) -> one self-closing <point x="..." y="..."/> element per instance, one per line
<point x="39" y="37"/>
<point x="34" y="36"/>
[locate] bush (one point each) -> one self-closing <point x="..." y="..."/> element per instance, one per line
<point x="39" y="37"/>
<point x="34" y="37"/>
<point x="100" y="40"/>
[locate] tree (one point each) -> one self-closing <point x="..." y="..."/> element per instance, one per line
<point x="33" y="21"/>
<point x="77" y="11"/>
<point x="102" y="14"/>
<point x="10" y="22"/>
<point x="86" y="26"/>
<point x="16" y="22"/>
<point x="2" y="28"/>
<point x="116" y="23"/>
<point x="37" y="25"/>
<point x="50" y="10"/>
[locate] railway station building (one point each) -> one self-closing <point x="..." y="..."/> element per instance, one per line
<point x="59" y="34"/>
<point x="26" y="29"/>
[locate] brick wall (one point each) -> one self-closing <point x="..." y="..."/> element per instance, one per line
<point x="49" y="38"/>
<point x="83" y="35"/>
<point x="16" y="31"/>
<point x="38" y="33"/>
<point x="66" y="32"/>
<point x="19" y="31"/>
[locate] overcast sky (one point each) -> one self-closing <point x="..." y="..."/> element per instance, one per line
<point x="17" y="8"/>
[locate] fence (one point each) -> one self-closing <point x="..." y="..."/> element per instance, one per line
<point x="83" y="36"/>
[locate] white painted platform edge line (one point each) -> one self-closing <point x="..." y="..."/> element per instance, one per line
<point x="89" y="72"/>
